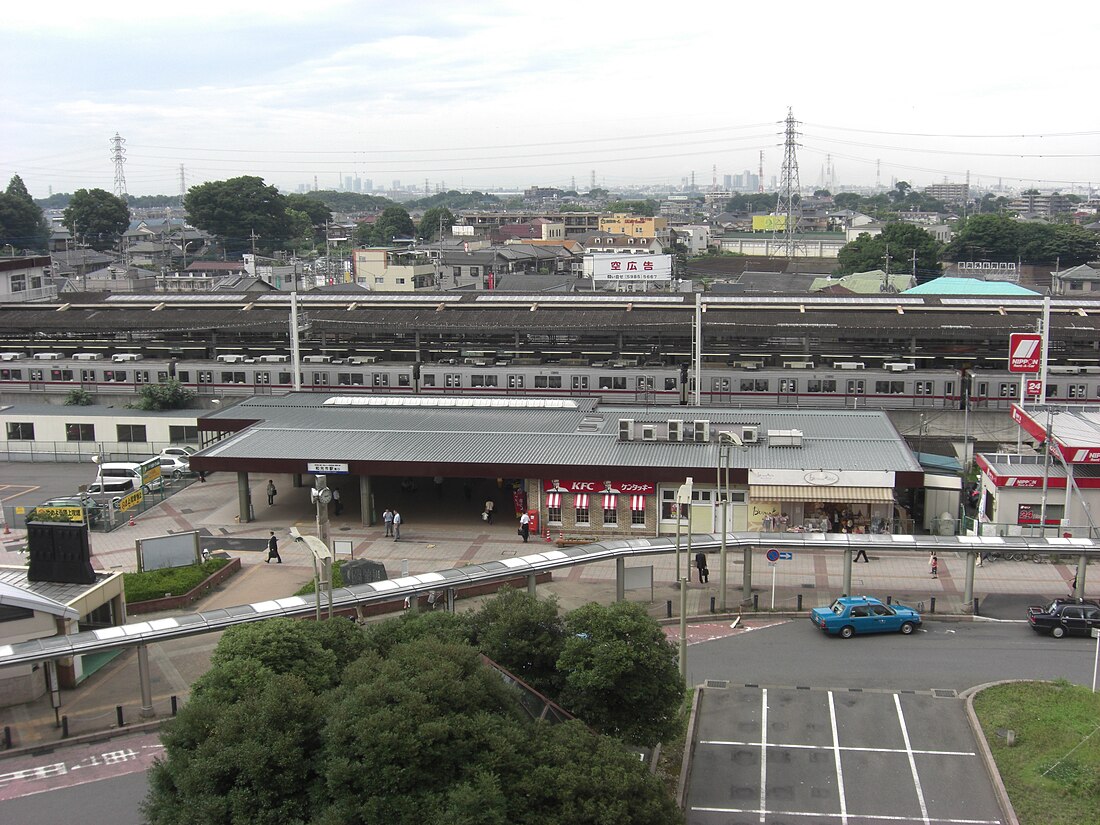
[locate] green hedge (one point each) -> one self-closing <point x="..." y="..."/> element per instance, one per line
<point x="337" y="581"/>
<point x="169" y="581"/>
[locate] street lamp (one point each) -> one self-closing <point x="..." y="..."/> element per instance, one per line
<point x="726" y="442"/>
<point x="322" y="567"/>
<point x="683" y="497"/>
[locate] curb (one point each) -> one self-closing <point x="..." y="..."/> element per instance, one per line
<point x="82" y="739"/>
<point x="987" y="755"/>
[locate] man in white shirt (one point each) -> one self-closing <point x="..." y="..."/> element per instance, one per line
<point x="525" y="526"/>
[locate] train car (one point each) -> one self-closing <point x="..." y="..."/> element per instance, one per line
<point x="993" y="390"/>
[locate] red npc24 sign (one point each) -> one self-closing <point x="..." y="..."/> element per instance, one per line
<point x="1025" y="351"/>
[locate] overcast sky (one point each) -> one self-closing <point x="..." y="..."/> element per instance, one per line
<point x="478" y="94"/>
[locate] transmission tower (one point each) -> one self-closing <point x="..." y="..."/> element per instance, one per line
<point x="183" y="185"/>
<point x="118" y="156"/>
<point x="788" y="204"/>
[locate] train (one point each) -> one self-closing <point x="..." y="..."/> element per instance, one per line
<point x="798" y="383"/>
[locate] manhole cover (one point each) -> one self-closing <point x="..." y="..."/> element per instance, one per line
<point x="945" y="693"/>
<point x="720" y="684"/>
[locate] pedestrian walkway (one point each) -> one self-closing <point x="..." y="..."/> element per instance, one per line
<point x="448" y="532"/>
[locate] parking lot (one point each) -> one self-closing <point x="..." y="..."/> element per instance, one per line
<point x="795" y="755"/>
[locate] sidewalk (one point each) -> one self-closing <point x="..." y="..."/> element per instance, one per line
<point x="446" y="533"/>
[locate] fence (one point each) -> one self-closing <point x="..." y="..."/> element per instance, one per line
<point x="973" y="527"/>
<point x="79" y="451"/>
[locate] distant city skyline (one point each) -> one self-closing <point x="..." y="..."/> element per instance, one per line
<point x="492" y="95"/>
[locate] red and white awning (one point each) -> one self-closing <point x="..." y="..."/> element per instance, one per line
<point x="637" y="503"/>
<point x="553" y="500"/>
<point x="580" y="501"/>
<point x="610" y="501"/>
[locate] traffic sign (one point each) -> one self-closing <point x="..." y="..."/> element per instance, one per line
<point x="773" y="555"/>
<point x="786" y="556"/>
<point x="1025" y="351"/>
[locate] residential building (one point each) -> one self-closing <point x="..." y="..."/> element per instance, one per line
<point x="635" y="226"/>
<point x="391" y="269"/>
<point x="607" y="242"/>
<point x="957" y="193"/>
<point x="1040" y="204"/>
<point x="24" y="279"/>
<point x="1083" y="278"/>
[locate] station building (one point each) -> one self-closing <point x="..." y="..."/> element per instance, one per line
<point x="581" y="469"/>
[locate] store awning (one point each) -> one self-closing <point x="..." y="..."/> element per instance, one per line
<point x="839" y="495"/>
<point x="553" y="500"/>
<point x="942" y="482"/>
<point x="580" y="501"/>
<point x="610" y="501"/>
<point x="637" y="503"/>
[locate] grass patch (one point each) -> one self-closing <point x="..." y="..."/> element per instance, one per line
<point x="337" y="581"/>
<point x="168" y="581"/>
<point x="1052" y="773"/>
<point x="672" y="751"/>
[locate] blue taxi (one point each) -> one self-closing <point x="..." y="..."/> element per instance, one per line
<point x="850" y="615"/>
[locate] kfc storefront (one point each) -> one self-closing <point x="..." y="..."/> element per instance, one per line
<point x="587" y="506"/>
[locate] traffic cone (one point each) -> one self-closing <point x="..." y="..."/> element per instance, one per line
<point x="7" y="531"/>
<point x="547" y="535"/>
<point x="132" y="522"/>
<point x="561" y="537"/>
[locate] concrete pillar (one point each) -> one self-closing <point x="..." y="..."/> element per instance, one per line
<point x="847" y="571"/>
<point x="145" y="681"/>
<point x="532" y="585"/>
<point x="746" y="574"/>
<point x="244" y="499"/>
<point x="366" y="501"/>
<point x="620" y="579"/>
<point x="968" y="587"/>
<point x="1082" y="565"/>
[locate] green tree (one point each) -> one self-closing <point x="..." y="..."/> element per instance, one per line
<point x="523" y="634"/>
<point x="97" y="217"/>
<point x="430" y="223"/>
<point x="897" y="241"/>
<point x="318" y="213"/>
<point x="849" y="200"/>
<point x="78" y="398"/>
<point x="168" y="395"/>
<point x="394" y="222"/>
<point x="646" y="208"/>
<point x="238" y="208"/>
<point x="620" y="672"/>
<point x="1001" y="238"/>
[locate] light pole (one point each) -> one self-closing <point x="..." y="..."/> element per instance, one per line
<point x="683" y="497"/>
<point x="726" y="442"/>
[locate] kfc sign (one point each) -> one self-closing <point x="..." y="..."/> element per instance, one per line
<point x="1025" y="351"/>
<point x="636" y="488"/>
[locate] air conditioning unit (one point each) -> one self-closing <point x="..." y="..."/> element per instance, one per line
<point x="626" y="429"/>
<point x="649" y="432"/>
<point x="784" y="438"/>
<point x="750" y="435"/>
<point x="701" y="431"/>
<point x="675" y="430"/>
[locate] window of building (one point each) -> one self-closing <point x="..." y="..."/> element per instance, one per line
<point x="183" y="434"/>
<point x="20" y="431"/>
<point x="80" y="432"/>
<point x="581" y="514"/>
<point x="610" y="510"/>
<point x="379" y="280"/>
<point x="553" y="508"/>
<point x="668" y="506"/>
<point x="18" y="282"/>
<point x="131" y="433"/>
<point x="400" y="281"/>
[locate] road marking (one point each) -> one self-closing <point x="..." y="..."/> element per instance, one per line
<point x="836" y="758"/>
<point x="854" y="748"/>
<point x="912" y="761"/>
<point x="820" y="815"/>
<point x="763" y="753"/>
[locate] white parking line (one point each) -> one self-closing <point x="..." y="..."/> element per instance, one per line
<point x="877" y="817"/>
<point x="857" y="748"/>
<point x="836" y="758"/>
<point x="912" y="761"/>
<point x="764" y="754"/>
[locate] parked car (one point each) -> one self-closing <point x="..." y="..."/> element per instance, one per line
<point x="850" y="615"/>
<point x="93" y="508"/>
<point x="174" y="466"/>
<point x="181" y="452"/>
<point x="1064" y="617"/>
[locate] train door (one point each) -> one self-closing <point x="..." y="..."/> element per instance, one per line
<point x="87" y="378"/>
<point x="1007" y="393"/>
<point x="644" y="389"/>
<point x="37" y="380"/>
<point x="788" y="392"/>
<point x="516" y="383"/>
<point x="721" y="390"/>
<point x="452" y="381"/>
<point x="980" y="397"/>
<point x="320" y="378"/>
<point x="206" y="382"/>
<point x="923" y="393"/>
<point x="1077" y="393"/>
<point x="579" y="383"/>
<point x="854" y="390"/>
<point x="263" y="382"/>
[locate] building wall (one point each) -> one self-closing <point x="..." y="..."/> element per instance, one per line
<point x="24" y="683"/>
<point x="634" y="226"/>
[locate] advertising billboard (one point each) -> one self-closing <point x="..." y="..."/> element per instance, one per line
<point x="1025" y="351"/>
<point x="769" y="223"/>
<point x="632" y="267"/>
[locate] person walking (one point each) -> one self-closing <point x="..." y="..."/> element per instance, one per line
<point x="396" y="525"/>
<point x="273" y="549"/>
<point x="700" y="563"/>
<point x="387" y="517"/>
<point x="861" y="552"/>
<point x="489" y="505"/>
<point x="934" y="565"/>
<point x="337" y="504"/>
<point x="525" y="526"/>
<point x="271" y="492"/>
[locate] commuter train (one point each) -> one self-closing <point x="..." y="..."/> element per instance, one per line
<point x="799" y="383"/>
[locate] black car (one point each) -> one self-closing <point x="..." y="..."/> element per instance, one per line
<point x="1065" y="616"/>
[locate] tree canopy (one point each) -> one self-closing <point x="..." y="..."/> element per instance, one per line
<point x="305" y="721"/>
<point x="167" y="395"/>
<point x="892" y="250"/>
<point x="21" y="221"/>
<point x="646" y="208"/>
<point x="457" y="200"/>
<point x="1000" y="238"/>
<point x="238" y="208"/>
<point x="97" y="217"/>
<point x="432" y="220"/>
<point x="394" y="222"/>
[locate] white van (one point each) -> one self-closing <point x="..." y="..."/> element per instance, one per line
<point x="125" y="476"/>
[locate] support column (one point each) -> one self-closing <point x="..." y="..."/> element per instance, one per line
<point x="683" y="629"/>
<point x="146" y="682"/>
<point x="847" y="571"/>
<point x="1082" y="565"/>
<point x="746" y="575"/>
<point x="450" y="600"/>
<point x="968" y="587"/>
<point x="532" y="585"/>
<point x="620" y="579"/>
<point x="366" y="501"/>
<point x="244" y="499"/>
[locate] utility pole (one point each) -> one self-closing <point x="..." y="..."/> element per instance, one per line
<point x="118" y="156"/>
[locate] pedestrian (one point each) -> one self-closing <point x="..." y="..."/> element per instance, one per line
<point x="934" y="565"/>
<point x="489" y="505"/>
<point x="700" y="564"/>
<point x="273" y="549"/>
<point x="861" y="552"/>
<point x="202" y="476"/>
<point x="396" y="525"/>
<point x="271" y="492"/>
<point x="337" y="504"/>
<point x="387" y="517"/>
<point x="525" y="526"/>
<point x="438" y="486"/>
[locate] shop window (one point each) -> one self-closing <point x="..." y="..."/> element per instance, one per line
<point x="553" y="515"/>
<point x="637" y="518"/>
<point x="581" y="514"/>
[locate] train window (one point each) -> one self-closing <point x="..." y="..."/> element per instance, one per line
<point x="349" y="379"/>
<point x="580" y="382"/>
<point x="1077" y="391"/>
<point x="856" y="386"/>
<point x="1008" y="390"/>
<point x="232" y="377"/>
<point x="788" y="385"/>
<point x="1052" y="390"/>
<point x="120" y="375"/>
<point x="320" y="379"/>
<point x="80" y="432"/>
<point x="428" y="378"/>
<point x="404" y="380"/>
<point x="754" y="384"/>
<point x="185" y="376"/>
<point x="131" y="433"/>
<point x="645" y="382"/>
<point x="477" y="380"/>
<point x="922" y="387"/>
<point x="889" y="387"/>
<point x="380" y="379"/>
<point x="9" y="375"/>
<point x="552" y="382"/>
<point x="605" y="382"/>
<point x="612" y="382"/>
<point x="948" y="387"/>
<point x="286" y="378"/>
<point x="87" y="375"/>
<point x="452" y="380"/>
<point x="206" y="377"/>
<point x="141" y="376"/>
<point x="670" y="384"/>
<point x="61" y="375"/>
<point x="20" y="431"/>
<point x="720" y="384"/>
<point x="515" y="382"/>
<point x="162" y="375"/>
<point x="263" y="378"/>
<point x="36" y="375"/>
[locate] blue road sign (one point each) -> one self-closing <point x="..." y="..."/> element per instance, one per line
<point x="786" y="556"/>
<point x="773" y="555"/>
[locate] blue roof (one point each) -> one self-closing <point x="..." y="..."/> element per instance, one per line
<point x="968" y="286"/>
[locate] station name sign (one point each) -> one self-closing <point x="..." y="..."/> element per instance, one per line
<point x="326" y="467"/>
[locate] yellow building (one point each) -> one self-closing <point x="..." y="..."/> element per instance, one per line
<point x="635" y="226"/>
<point x="385" y="269"/>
